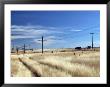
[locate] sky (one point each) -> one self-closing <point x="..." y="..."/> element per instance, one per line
<point x="60" y="29"/>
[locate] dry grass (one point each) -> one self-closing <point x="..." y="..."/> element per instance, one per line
<point x="19" y="70"/>
<point x="59" y="64"/>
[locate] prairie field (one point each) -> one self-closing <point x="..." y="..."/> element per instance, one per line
<point x="56" y="64"/>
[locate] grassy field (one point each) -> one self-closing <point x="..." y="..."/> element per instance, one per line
<point x="57" y="64"/>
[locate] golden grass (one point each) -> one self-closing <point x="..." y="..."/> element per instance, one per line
<point x="59" y="64"/>
<point x="43" y="70"/>
<point x="19" y="70"/>
<point x="73" y="68"/>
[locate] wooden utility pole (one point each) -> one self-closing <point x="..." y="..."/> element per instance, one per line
<point x="29" y="47"/>
<point x="24" y="48"/>
<point x="12" y="49"/>
<point x="13" y="46"/>
<point x="92" y="40"/>
<point x="42" y="44"/>
<point x="17" y="49"/>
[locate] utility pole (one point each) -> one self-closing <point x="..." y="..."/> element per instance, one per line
<point x="92" y="39"/>
<point x="24" y="48"/>
<point x="12" y="49"/>
<point x="17" y="49"/>
<point x="42" y="43"/>
<point x="13" y="46"/>
<point x="29" y="47"/>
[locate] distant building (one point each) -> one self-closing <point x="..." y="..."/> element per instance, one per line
<point x="78" y="48"/>
<point x="88" y="47"/>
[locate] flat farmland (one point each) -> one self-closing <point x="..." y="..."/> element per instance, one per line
<point x="56" y="64"/>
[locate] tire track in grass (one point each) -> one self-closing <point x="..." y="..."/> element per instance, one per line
<point x="56" y="66"/>
<point x="19" y="69"/>
<point x="67" y="67"/>
<point x="35" y="72"/>
<point x="43" y="70"/>
<point x="73" y="69"/>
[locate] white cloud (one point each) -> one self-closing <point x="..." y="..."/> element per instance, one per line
<point x="26" y="27"/>
<point x="46" y="43"/>
<point x="23" y="34"/>
<point x="21" y="37"/>
<point x="49" y="40"/>
<point x="50" y="37"/>
<point x="76" y="30"/>
<point x="17" y="30"/>
<point x="31" y="31"/>
<point x="32" y="27"/>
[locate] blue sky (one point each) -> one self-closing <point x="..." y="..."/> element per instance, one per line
<point x="61" y="29"/>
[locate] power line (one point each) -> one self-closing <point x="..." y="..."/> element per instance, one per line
<point x="76" y="33"/>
